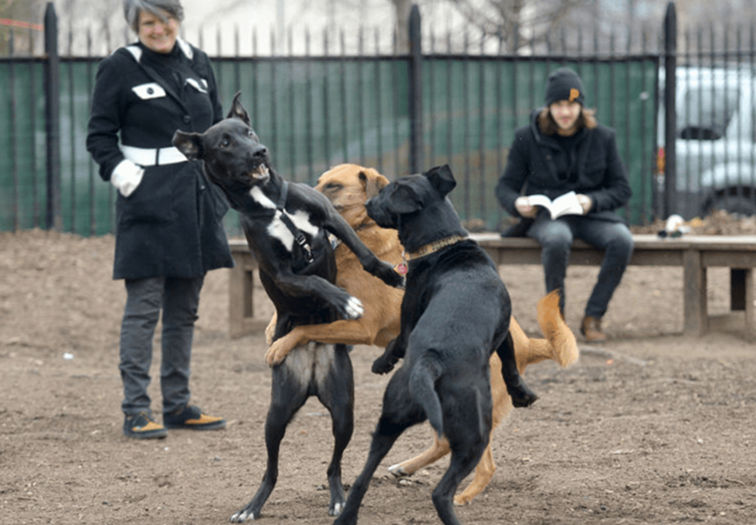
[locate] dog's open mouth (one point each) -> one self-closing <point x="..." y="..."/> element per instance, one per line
<point x="260" y="173"/>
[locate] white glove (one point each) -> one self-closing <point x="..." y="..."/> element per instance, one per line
<point x="126" y="177"/>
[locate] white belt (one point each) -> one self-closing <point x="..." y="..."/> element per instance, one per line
<point x="153" y="156"/>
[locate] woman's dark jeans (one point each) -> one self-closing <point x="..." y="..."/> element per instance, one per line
<point x="179" y="300"/>
<point x="556" y="236"/>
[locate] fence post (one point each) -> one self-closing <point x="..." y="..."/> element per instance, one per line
<point x="54" y="218"/>
<point x="415" y="92"/>
<point x="670" y="115"/>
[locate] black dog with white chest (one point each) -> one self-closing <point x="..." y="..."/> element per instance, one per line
<point x="454" y="314"/>
<point x="286" y="226"/>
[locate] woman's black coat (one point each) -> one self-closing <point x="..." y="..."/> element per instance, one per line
<point x="531" y="170"/>
<point x="171" y="225"/>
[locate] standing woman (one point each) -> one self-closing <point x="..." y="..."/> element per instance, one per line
<point x="565" y="149"/>
<point x="169" y="229"/>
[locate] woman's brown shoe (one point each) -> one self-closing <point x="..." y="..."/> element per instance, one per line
<point x="591" y="329"/>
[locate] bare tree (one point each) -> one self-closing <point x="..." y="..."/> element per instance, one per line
<point x="24" y="13"/>
<point x="402" y="10"/>
<point x="519" y="23"/>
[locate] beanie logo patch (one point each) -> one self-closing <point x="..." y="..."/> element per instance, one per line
<point x="574" y="94"/>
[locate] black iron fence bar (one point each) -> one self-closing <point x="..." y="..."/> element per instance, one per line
<point x="645" y="155"/>
<point x="90" y="166"/>
<point x="753" y="125"/>
<point x="466" y="106"/>
<point x="670" y="117"/>
<point x="72" y="134"/>
<point x="14" y="132"/>
<point x="54" y="218"/>
<point x="308" y="111"/>
<point x="415" y="91"/>
<point x="499" y="123"/>
<point x="378" y="106"/>
<point x="481" y="134"/>
<point x="36" y="221"/>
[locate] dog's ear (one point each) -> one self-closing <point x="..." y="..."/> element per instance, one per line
<point x="238" y="111"/>
<point x="372" y="181"/>
<point x="190" y="144"/>
<point x="442" y="178"/>
<point x="404" y="200"/>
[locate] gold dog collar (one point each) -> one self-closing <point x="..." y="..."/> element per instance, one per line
<point x="436" y="245"/>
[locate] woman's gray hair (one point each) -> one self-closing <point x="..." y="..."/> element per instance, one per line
<point x="131" y="10"/>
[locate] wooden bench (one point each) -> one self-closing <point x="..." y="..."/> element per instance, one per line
<point x="695" y="254"/>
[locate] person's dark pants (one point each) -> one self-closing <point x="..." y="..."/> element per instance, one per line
<point x="179" y="300"/>
<point x="556" y="238"/>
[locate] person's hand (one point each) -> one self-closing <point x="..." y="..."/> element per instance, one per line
<point x="522" y="204"/>
<point x="126" y="177"/>
<point x="585" y="201"/>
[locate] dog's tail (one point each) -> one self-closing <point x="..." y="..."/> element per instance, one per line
<point x="559" y="343"/>
<point x="422" y="386"/>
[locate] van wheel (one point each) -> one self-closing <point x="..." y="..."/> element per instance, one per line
<point x="734" y="204"/>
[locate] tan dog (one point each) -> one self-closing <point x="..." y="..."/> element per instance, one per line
<point x="348" y="187"/>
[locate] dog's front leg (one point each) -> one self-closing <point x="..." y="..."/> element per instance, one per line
<point x="394" y="351"/>
<point x="348" y="306"/>
<point x="522" y="395"/>
<point x="336" y="224"/>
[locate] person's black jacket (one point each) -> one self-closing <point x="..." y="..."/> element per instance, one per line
<point x="171" y="225"/>
<point x="531" y="170"/>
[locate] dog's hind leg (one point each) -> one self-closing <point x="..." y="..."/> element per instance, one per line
<point x="468" y="433"/>
<point x="439" y="449"/>
<point x="484" y="473"/>
<point x="287" y="397"/>
<point x="522" y="395"/>
<point x="463" y="461"/>
<point x="396" y="417"/>
<point x="336" y="392"/>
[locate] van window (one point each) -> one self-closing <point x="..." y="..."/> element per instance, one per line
<point x="704" y="114"/>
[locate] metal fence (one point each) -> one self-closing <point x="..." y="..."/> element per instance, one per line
<point x="709" y="120"/>
<point x="396" y="112"/>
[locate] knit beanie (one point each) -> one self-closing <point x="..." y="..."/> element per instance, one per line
<point x="564" y="84"/>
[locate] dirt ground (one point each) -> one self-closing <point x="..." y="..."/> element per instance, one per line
<point x="650" y="428"/>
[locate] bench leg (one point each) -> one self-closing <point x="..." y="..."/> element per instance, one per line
<point x="241" y="312"/>
<point x="695" y="315"/>
<point x="737" y="289"/>
<point x="750" y="303"/>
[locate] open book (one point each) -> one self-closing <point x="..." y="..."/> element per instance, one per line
<point x="566" y="204"/>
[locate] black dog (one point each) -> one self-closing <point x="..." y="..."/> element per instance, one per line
<point x="286" y="226"/>
<point x="455" y="313"/>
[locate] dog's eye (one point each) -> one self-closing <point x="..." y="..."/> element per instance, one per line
<point x="251" y="134"/>
<point x="225" y="142"/>
<point x="333" y="186"/>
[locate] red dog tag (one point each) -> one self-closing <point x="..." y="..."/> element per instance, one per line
<point x="401" y="268"/>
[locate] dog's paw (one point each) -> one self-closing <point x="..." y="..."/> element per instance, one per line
<point x="398" y="471"/>
<point x="461" y="500"/>
<point x="354" y="308"/>
<point x="242" y="516"/>
<point x="276" y="353"/>
<point x="335" y="509"/>
<point x="270" y="331"/>
<point x="383" y="365"/>
<point x="522" y="396"/>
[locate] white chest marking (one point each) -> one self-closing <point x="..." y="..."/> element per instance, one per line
<point x="277" y="228"/>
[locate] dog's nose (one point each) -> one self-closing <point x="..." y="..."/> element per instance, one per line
<point x="260" y="151"/>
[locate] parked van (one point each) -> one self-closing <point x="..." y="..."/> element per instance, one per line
<point x="715" y="140"/>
